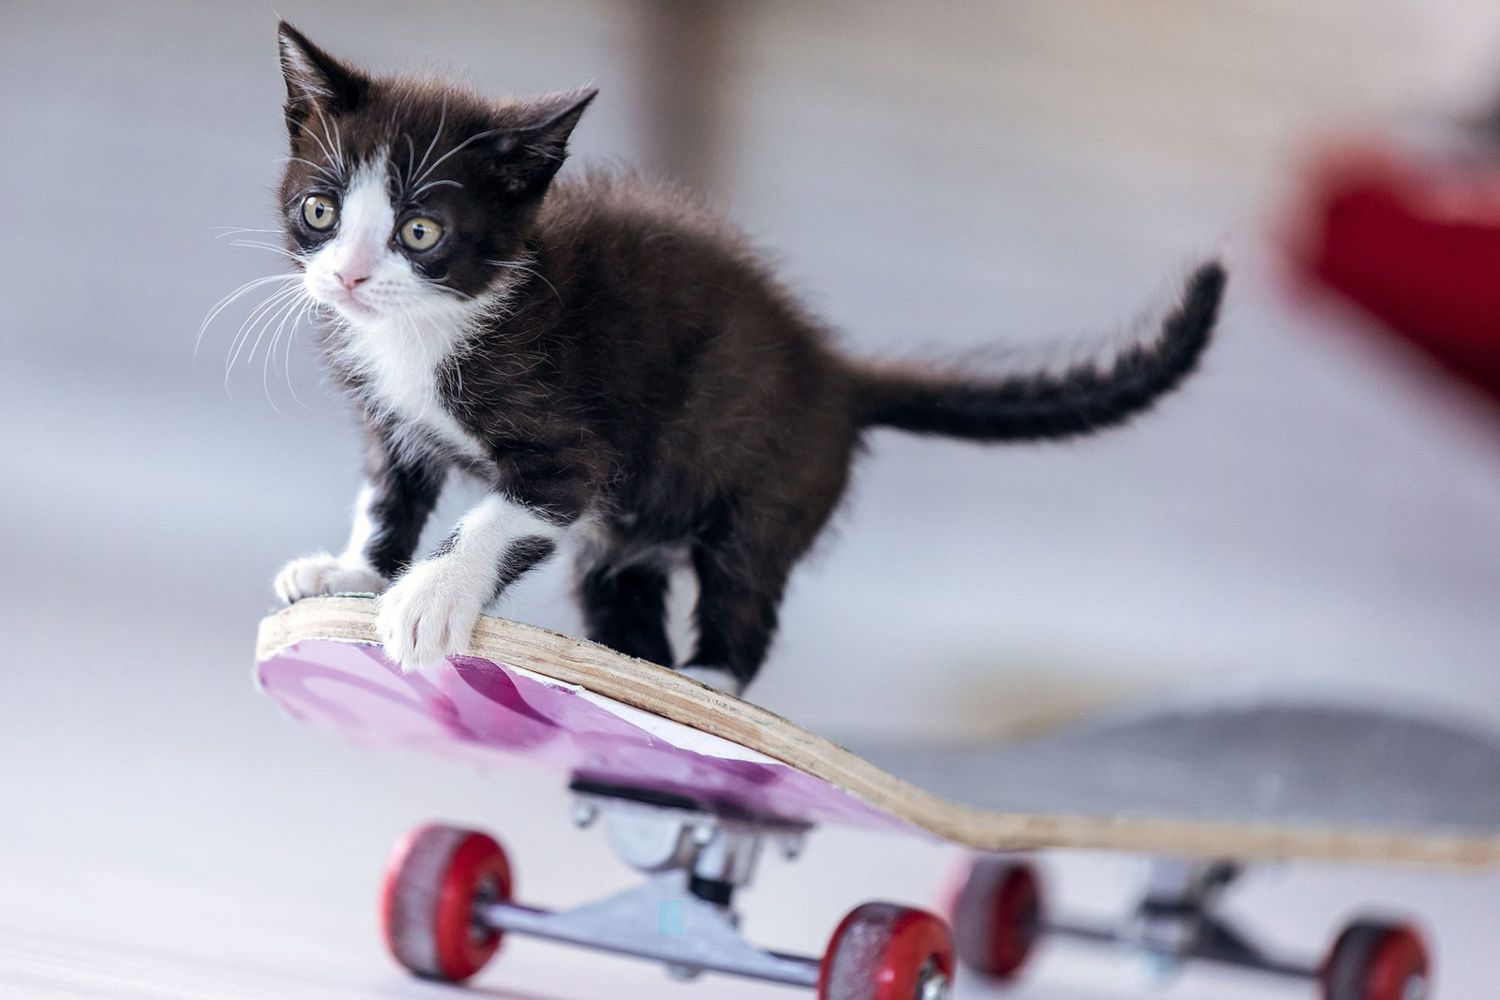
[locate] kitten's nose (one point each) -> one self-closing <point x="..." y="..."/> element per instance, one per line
<point x="351" y="281"/>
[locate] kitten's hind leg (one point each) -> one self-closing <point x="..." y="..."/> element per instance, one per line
<point x="739" y="593"/>
<point x="625" y="609"/>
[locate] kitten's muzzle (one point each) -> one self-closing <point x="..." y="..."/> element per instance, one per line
<point x="352" y="280"/>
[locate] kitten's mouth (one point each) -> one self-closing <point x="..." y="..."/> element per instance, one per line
<point x="348" y="302"/>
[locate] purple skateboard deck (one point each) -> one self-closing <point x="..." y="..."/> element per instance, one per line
<point x="489" y="713"/>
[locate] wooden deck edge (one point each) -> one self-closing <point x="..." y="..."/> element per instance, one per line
<point x="666" y="693"/>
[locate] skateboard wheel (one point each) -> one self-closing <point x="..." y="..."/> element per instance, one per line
<point x="998" y="916"/>
<point x="435" y="877"/>
<point x="886" y="952"/>
<point x="1377" y="961"/>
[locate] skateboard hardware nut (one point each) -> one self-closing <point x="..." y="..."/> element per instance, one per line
<point x="584" y="815"/>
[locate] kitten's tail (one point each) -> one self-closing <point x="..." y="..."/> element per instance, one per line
<point x="1042" y="406"/>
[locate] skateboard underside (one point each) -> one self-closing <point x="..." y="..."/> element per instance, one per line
<point x="1248" y="779"/>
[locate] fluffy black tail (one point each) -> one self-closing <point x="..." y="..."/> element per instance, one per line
<point x="1040" y="406"/>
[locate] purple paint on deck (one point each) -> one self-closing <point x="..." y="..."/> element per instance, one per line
<point x="474" y="710"/>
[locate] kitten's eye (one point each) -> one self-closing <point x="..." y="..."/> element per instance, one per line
<point x="319" y="213"/>
<point x="421" y="233"/>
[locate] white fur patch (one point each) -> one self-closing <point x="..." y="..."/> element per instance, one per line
<point x="363" y="528"/>
<point x="322" y="573"/>
<point x="430" y="612"/>
<point x="349" y="572"/>
<point x="394" y="328"/>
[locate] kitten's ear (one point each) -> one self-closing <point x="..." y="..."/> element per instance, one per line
<point x="532" y="150"/>
<point x="314" y="79"/>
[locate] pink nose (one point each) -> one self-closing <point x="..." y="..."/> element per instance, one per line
<point x="351" y="281"/>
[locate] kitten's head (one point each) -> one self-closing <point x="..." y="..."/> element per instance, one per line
<point x="403" y="198"/>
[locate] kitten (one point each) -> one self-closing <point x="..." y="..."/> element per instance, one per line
<point x="611" y="361"/>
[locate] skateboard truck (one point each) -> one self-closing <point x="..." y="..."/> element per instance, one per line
<point x="1177" y="922"/>
<point x="999" y="917"/>
<point x="447" y="904"/>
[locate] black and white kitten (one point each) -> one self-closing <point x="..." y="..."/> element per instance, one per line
<point x="611" y="361"/>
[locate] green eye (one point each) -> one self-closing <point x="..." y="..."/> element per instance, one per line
<point x="421" y="233"/>
<point x="319" y="213"/>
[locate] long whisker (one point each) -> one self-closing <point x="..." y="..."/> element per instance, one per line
<point x="458" y="149"/>
<point x="337" y="156"/>
<point x="248" y="327"/>
<point x="307" y="306"/>
<point x="513" y="265"/>
<point x="432" y="184"/>
<point x="242" y="337"/>
<point x="338" y="141"/>
<point x="265" y="365"/>
<point x="411" y="155"/>
<point x="324" y="171"/>
<point x="224" y="303"/>
<point x="254" y="244"/>
<point x="265" y="327"/>
<point x="224" y="231"/>
<point x="319" y="139"/>
<point x="442" y="120"/>
<point x="280" y="313"/>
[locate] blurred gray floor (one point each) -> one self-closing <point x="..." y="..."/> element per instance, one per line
<point x="1021" y="174"/>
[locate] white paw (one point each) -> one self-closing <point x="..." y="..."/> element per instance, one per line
<point x="718" y="678"/>
<point x="428" y="613"/>
<point x="325" y="574"/>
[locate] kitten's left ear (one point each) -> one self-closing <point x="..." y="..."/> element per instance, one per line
<point x="532" y="150"/>
<point x="314" y="79"/>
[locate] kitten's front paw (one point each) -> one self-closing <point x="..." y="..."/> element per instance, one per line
<point x="427" y="614"/>
<point x="322" y="573"/>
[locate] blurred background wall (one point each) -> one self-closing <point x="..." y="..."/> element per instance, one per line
<point x="1017" y="180"/>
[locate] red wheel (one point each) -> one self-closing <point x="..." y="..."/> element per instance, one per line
<point x="1377" y="961"/>
<point x="998" y="916"/>
<point x="886" y="952"/>
<point x="433" y="880"/>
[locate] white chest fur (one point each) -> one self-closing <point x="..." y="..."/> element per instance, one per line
<point x="398" y="365"/>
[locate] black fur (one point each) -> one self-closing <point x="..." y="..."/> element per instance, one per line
<point x="404" y="493"/>
<point x="1037" y="407"/>
<point x="648" y="372"/>
<point x="626" y="609"/>
<point x="524" y="555"/>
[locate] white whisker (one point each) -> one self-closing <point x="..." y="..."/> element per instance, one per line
<point x="248" y="326"/>
<point x="319" y="139"/>
<point x="265" y="365"/>
<point x="515" y="266"/>
<point x="300" y="258"/>
<point x="432" y="184"/>
<point x="225" y="231"/>
<point x="308" y="305"/>
<point x="224" y="303"/>
<point x="326" y="173"/>
<point x="458" y="149"/>
<point x="411" y="154"/>
<point x="442" y="120"/>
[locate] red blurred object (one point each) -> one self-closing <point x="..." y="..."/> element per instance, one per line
<point x="434" y="879"/>
<point x="886" y="952"/>
<point x="1415" y="244"/>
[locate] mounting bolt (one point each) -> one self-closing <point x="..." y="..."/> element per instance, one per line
<point x="684" y="973"/>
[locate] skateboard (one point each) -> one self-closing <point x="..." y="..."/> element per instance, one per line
<point x="691" y="786"/>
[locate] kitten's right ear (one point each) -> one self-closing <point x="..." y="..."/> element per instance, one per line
<point x="315" y="80"/>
